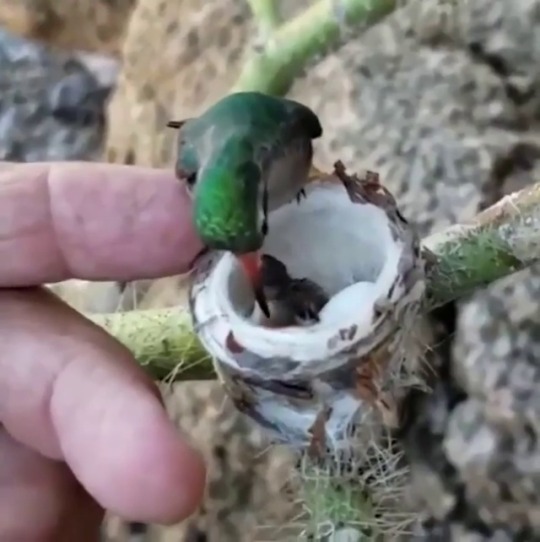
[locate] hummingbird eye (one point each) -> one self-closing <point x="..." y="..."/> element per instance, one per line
<point x="191" y="179"/>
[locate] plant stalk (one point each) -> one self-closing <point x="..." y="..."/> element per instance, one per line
<point x="499" y="241"/>
<point x="266" y="15"/>
<point x="162" y="341"/>
<point x="292" y="45"/>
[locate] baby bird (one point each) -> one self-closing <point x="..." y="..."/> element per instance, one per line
<point x="292" y="302"/>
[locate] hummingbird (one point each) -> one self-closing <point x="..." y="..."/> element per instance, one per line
<point x="292" y="301"/>
<point x="246" y="155"/>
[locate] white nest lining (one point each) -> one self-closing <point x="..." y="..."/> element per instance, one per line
<point x="346" y="248"/>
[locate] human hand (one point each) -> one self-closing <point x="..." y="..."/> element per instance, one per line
<point x="83" y="427"/>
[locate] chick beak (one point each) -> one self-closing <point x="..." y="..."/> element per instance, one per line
<point x="251" y="263"/>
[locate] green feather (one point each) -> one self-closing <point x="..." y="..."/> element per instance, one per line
<point x="225" y="199"/>
<point x="223" y="155"/>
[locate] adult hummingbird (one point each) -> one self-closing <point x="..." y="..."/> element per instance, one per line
<point x="246" y="155"/>
<point x="293" y="301"/>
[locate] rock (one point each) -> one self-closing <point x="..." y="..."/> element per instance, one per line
<point x="78" y="99"/>
<point x="51" y="105"/>
<point x="91" y="25"/>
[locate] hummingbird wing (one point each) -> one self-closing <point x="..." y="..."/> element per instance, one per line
<point x="298" y="124"/>
<point x="301" y="120"/>
<point x="282" y="131"/>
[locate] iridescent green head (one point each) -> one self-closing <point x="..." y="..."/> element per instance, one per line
<point x="226" y="200"/>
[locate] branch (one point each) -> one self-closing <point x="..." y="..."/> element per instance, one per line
<point x="265" y="14"/>
<point x="293" y="44"/>
<point x="501" y="240"/>
<point x="162" y="341"/>
<point x="498" y="242"/>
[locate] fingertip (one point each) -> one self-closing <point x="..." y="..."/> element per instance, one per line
<point x="134" y="223"/>
<point x="174" y="479"/>
<point x="119" y="442"/>
<point x="159" y="479"/>
<point x="93" y="221"/>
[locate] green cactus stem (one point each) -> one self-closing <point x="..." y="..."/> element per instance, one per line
<point x="266" y="14"/>
<point x="292" y="45"/>
<point x="499" y="241"/>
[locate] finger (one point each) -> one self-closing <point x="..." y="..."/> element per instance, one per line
<point x="72" y="392"/>
<point x="92" y="221"/>
<point x="41" y="500"/>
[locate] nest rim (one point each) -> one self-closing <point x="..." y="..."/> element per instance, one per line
<point x="303" y="344"/>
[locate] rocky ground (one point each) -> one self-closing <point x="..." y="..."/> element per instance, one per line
<point x="52" y="105"/>
<point x="445" y="103"/>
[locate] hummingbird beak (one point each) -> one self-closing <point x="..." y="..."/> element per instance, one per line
<point x="251" y="264"/>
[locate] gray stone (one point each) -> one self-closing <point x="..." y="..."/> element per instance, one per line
<point x="51" y="104"/>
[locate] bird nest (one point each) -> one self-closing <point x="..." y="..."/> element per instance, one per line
<point x="311" y="385"/>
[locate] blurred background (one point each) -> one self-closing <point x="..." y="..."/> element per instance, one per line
<point x="441" y="98"/>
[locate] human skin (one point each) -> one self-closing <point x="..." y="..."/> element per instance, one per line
<point x="83" y="427"/>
